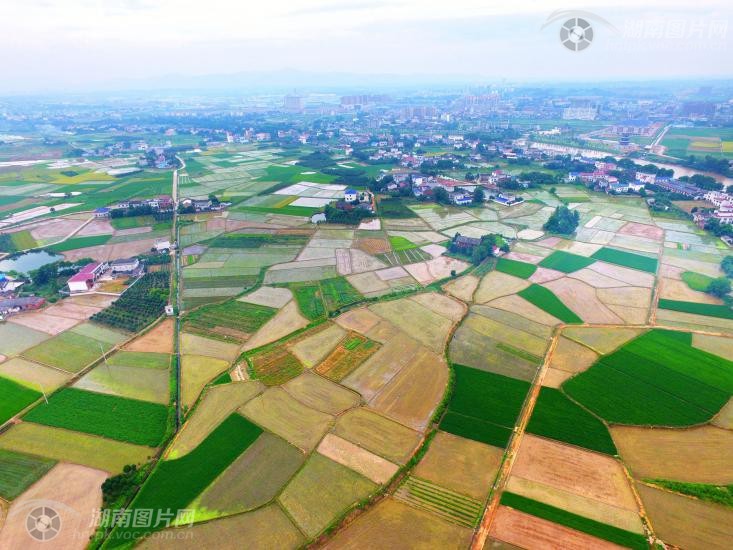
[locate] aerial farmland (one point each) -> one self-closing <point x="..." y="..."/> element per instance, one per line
<point x="364" y="384"/>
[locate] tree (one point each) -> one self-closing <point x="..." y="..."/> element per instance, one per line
<point x="727" y="265"/>
<point x="479" y="196"/>
<point x="441" y="195"/>
<point x="719" y="287"/>
<point x="45" y="274"/>
<point x="213" y="199"/>
<point x="563" y="221"/>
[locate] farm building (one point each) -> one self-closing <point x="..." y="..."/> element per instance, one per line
<point x="350" y="195"/>
<point x="125" y="265"/>
<point x="12" y="305"/>
<point x="465" y="244"/>
<point x="102" y="212"/>
<point x="85" y="279"/>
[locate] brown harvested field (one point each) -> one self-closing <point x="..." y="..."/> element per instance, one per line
<point x="360" y="460"/>
<point x="393" y="524"/>
<point x="396" y="272"/>
<point x="438" y="268"/>
<point x="38" y="320"/>
<point x="312" y="349"/>
<point x="543" y="275"/>
<point x="592" y="475"/>
<point x="462" y="287"/>
<point x="670" y="271"/>
<point x="692" y="321"/>
<point x="642" y="230"/>
<point x="687" y="522"/>
<point x="462" y="465"/>
<point x="724" y="418"/>
<point x="342" y="361"/>
<point x="673" y="289"/>
<point x="554" y="378"/>
<point x="524" y="257"/>
<point x="624" y="274"/>
<point x="217" y="404"/>
<point x="106" y="252"/>
<point x="496" y="284"/>
<point x="287" y="320"/>
<point x="198" y="345"/>
<point x="520" y="306"/>
<point x="372" y="375"/>
<point x="196" y="372"/>
<point x="689" y="264"/>
<point x="631" y="296"/>
<point x="268" y="296"/>
<point x="418" y="321"/>
<point x="368" y="284"/>
<point x="72" y="308"/>
<point x="53" y="229"/>
<point x="442" y="305"/>
<point x="631" y="315"/>
<point x="266" y="527"/>
<point x="582" y="299"/>
<point x="361" y="261"/>
<point x="572" y="357"/>
<point x="94" y="300"/>
<point x="274" y="365"/>
<point x="360" y="320"/>
<point x="373" y="245"/>
<point x="321" y="394"/>
<point x="698" y="455"/>
<point x="35" y="375"/>
<point x="413" y="394"/>
<point x="287" y="417"/>
<point x="595" y="279"/>
<point x="96" y="227"/>
<point x="622" y="518"/>
<point x="717" y="345"/>
<point x="526" y="531"/>
<point x="75" y="493"/>
<point x="602" y="340"/>
<point x="550" y="242"/>
<point x="380" y="435"/>
<point x="158" y="339"/>
<point x="383" y="332"/>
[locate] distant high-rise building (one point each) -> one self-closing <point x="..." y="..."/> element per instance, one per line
<point x="293" y="103"/>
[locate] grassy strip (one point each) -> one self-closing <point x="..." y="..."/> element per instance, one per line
<point x="697" y="281"/>
<point x="20" y="471"/>
<point x="80" y="242"/>
<point x="546" y="300"/>
<point x="709" y="310"/>
<point x="626" y="259"/>
<point x="719" y="494"/>
<point x="174" y="484"/>
<point x="565" y="261"/>
<point x="15" y="398"/>
<point x="516" y="268"/>
<point x="305" y="211"/>
<point x="574" y="521"/>
<point x="120" y="418"/>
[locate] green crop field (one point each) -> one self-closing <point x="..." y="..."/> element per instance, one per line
<point x="546" y="300"/>
<point x="308" y="296"/>
<point x="394" y="208"/>
<point x="696" y="281"/>
<point x="15" y="398"/>
<point x="719" y="494"/>
<point x="516" y="268"/>
<point x="119" y="418"/>
<point x="68" y="351"/>
<point x="174" y="484"/>
<point x="401" y="243"/>
<point x="256" y="240"/>
<point x="80" y="242"/>
<point x="626" y="259"/>
<point x="565" y="261"/>
<point x="20" y="471"/>
<point x="484" y="406"/>
<point x="317" y="298"/>
<point x="579" y="523"/>
<point x="338" y="292"/>
<point x="130" y="222"/>
<point x="23" y="240"/>
<point x="141" y="304"/>
<point x="709" y="310"/>
<point x="143" y="359"/>
<point x="656" y="379"/>
<point x="556" y="417"/>
<point x="241" y="316"/>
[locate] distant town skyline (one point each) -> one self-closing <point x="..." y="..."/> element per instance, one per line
<point x="79" y="45"/>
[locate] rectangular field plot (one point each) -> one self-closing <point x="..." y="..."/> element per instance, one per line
<point x="274" y="366"/>
<point x="484" y="406"/>
<point x="233" y="320"/>
<point x="68" y="351"/>
<point x="15" y="398"/>
<point x="565" y="261"/>
<point x="547" y="301"/>
<point x="144" y="383"/>
<point x="523" y="270"/>
<point x="20" y="471"/>
<point x="348" y="355"/>
<point x="708" y="310"/>
<point x="16" y="338"/>
<point x="317" y="298"/>
<point x="128" y="420"/>
<point x="626" y="259"/>
<point x="656" y="379"/>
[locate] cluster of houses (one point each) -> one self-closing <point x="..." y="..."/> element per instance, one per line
<point x="163" y="203"/>
<point x="353" y="199"/>
<point x="723" y="211"/>
<point x="87" y="277"/>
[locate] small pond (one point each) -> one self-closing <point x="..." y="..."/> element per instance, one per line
<point x="28" y="261"/>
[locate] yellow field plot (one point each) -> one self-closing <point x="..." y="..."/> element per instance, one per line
<point x="462" y="287"/>
<point x="413" y="394"/>
<point x="582" y="299"/>
<point x="727" y="147"/>
<point x="196" y="372"/>
<point x="442" y="305"/>
<point x="687" y="264"/>
<point x="716" y="345"/>
<point x="78" y="448"/>
<point x="724" y="418"/>
<point x="311" y="350"/>
<point x="497" y="284"/>
<point x="321" y="394"/>
<point x="623" y="274"/>
<point x="518" y="305"/>
<point x="360" y="320"/>
<point x="519" y="339"/>
<point x="438" y="268"/>
<point x="694" y="322"/>
<point x="198" y="345"/>
<point x="673" y="289"/>
<point x="268" y="296"/>
<point x="576" y="247"/>
<point x="360" y="460"/>
<point x="287" y="417"/>
<point x="368" y="284"/>
<point x="421" y="323"/>
<point x="712" y="145"/>
<point x="631" y="315"/>
<point x="601" y="340"/>
<point x="33" y="375"/>
<point x="285" y="321"/>
<point x="462" y="465"/>
<point x="595" y="279"/>
<point x="572" y="357"/>
<point x="554" y="378"/>
<point x="696" y="455"/>
<point x="380" y="435"/>
<point x="267" y="527"/>
<point x="217" y="404"/>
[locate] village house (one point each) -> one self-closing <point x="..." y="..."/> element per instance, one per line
<point x="125" y="266"/>
<point x="87" y="276"/>
<point x="14" y="305"/>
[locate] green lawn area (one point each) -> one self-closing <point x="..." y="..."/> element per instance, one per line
<point x="696" y="281"/>
<point x="516" y="268"/>
<point x="546" y="300"/>
<point x="174" y="484"/>
<point x="20" y="471"/>
<point x="80" y="242"/>
<point x="565" y="261"/>
<point x="710" y="310"/>
<point x="484" y="406"/>
<point x="626" y="259"/>
<point x="120" y="418"/>
<point x="656" y="379"/>
<point x="15" y="398"/>
<point x="579" y="523"/>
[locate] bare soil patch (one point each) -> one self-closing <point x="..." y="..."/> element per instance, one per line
<point x="158" y="339"/>
<point x="360" y="460"/>
<point x="642" y="230"/>
<point x="582" y="299"/>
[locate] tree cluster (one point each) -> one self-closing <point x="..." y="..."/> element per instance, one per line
<point x="563" y="221"/>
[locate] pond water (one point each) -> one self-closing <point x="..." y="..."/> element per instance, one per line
<point x="28" y="261"/>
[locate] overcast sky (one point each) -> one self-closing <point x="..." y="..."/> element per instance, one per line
<point x="70" y="45"/>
